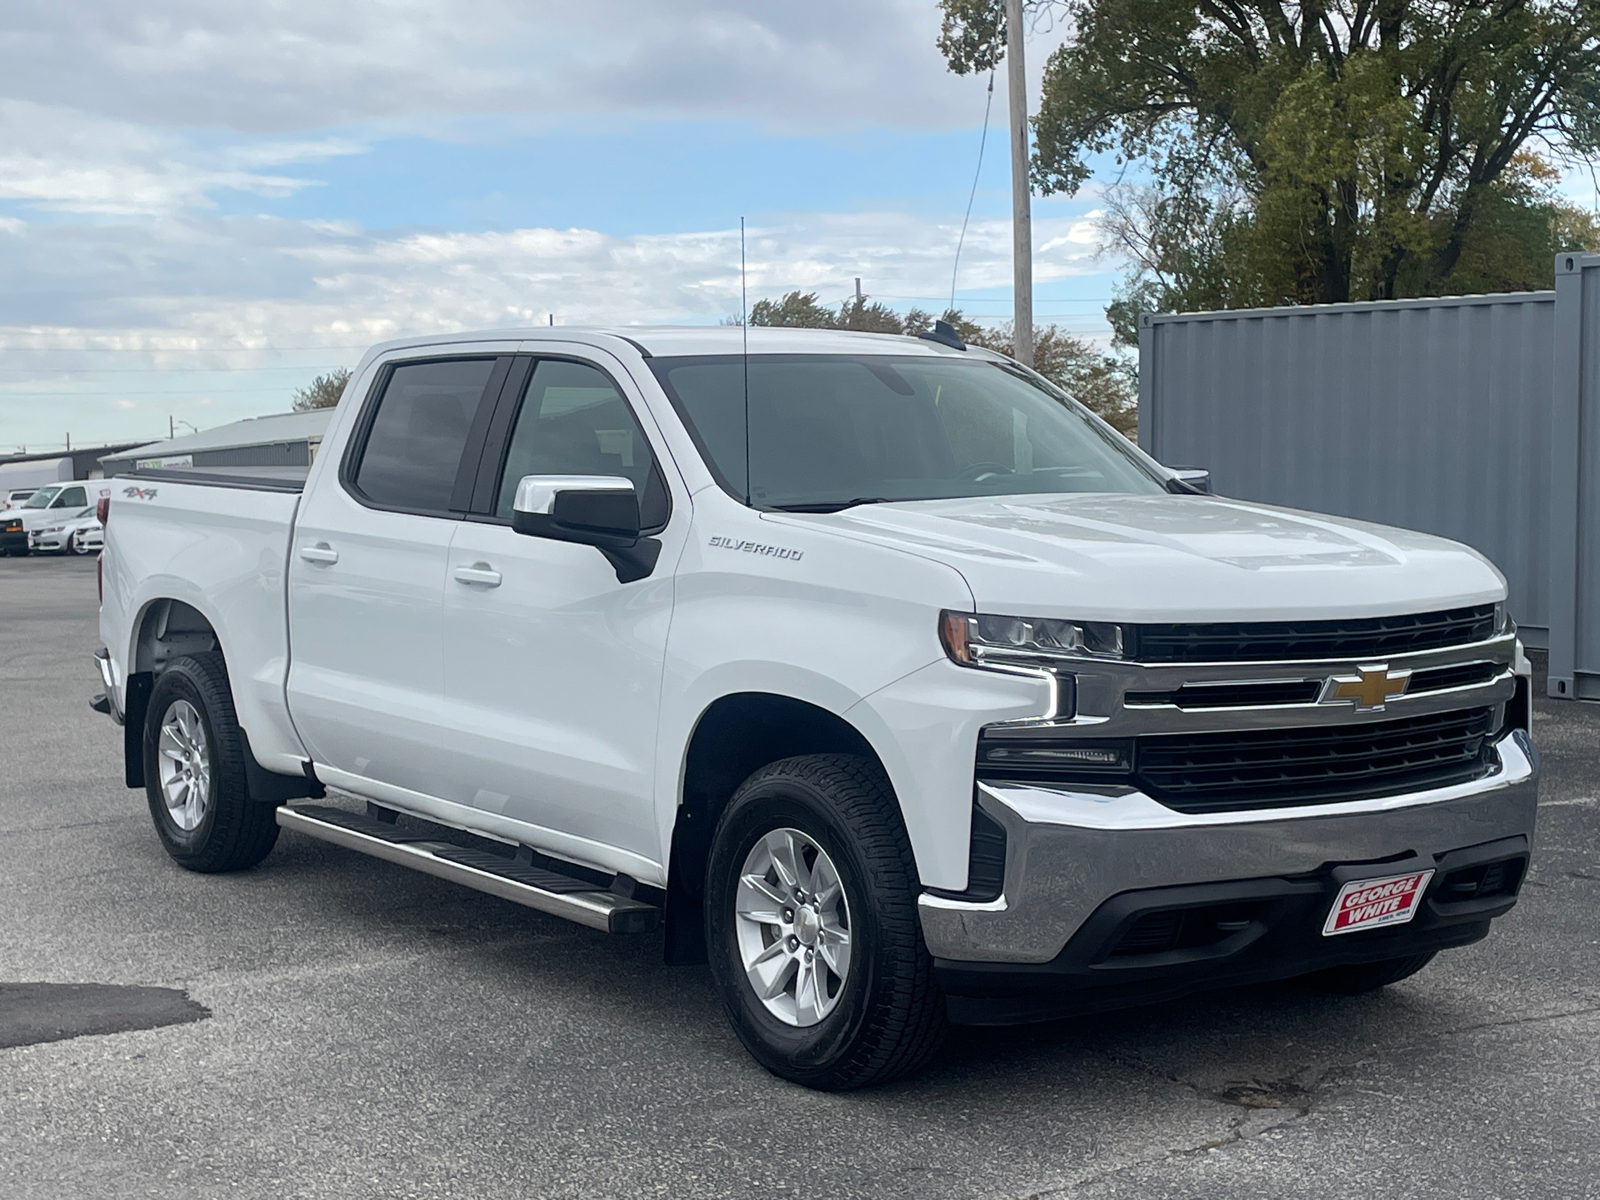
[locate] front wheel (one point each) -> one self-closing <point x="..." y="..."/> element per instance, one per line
<point x="812" y="928"/>
<point x="194" y="771"/>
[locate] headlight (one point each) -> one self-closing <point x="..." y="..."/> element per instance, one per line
<point x="1503" y="623"/>
<point x="982" y="641"/>
<point x="50" y="529"/>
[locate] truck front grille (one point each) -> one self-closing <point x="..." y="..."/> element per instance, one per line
<point x="1301" y="641"/>
<point x="1258" y="768"/>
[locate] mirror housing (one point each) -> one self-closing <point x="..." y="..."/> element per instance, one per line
<point x="592" y="510"/>
<point x="1190" y="481"/>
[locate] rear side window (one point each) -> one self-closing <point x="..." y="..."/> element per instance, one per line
<point x="415" y="441"/>
<point x="573" y="421"/>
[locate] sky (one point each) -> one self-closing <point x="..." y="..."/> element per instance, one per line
<point x="203" y="204"/>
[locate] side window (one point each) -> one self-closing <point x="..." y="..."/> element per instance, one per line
<point x="72" y="497"/>
<point x="415" y="441"/>
<point x="573" y="421"/>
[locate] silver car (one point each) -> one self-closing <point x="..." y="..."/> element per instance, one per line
<point x="62" y="535"/>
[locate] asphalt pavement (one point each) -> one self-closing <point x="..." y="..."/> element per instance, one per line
<point x="331" y="1025"/>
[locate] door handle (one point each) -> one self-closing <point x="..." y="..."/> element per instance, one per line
<point x="320" y="553"/>
<point x="479" y="573"/>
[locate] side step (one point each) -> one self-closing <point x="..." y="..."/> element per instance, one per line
<point x="549" y="892"/>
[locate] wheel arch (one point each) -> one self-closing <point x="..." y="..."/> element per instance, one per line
<point x="169" y="628"/>
<point x="736" y="735"/>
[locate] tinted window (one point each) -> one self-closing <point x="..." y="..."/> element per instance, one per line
<point x="417" y="436"/>
<point x="573" y="421"/>
<point x="71" y="497"/>
<point x="828" y="429"/>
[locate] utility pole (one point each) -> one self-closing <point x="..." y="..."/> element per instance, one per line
<point x="172" y="429"/>
<point x="1021" y="216"/>
<point x="859" y="296"/>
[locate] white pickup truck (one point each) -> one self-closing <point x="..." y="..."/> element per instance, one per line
<point x="883" y="676"/>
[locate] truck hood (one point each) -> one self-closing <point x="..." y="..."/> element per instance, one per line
<point x="1173" y="558"/>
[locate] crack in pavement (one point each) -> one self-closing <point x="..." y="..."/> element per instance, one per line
<point x="1270" y="1104"/>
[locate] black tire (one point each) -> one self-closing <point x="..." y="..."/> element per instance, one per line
<point x="234" y="832"/>
<point x="889" y="1017"/>
<point x="1354" y="978"/>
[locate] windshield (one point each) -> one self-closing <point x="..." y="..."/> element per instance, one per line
<point x="827" y="431"/>
<point x="42" y="497"/>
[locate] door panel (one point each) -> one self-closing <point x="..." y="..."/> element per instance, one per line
<point x="553" y="673"/>
<point x="366" y="577"/>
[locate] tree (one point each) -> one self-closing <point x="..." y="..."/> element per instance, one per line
<point x="1292" y="152"/>
<point x="797" y="309"/>
<point x="323" y="391"/>
<point x="1102" y="382"/>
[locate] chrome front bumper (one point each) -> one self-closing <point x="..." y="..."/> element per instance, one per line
<point x="1069" y="852"/>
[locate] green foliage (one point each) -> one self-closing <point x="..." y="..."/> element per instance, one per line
<point x="1102" y="382"/>
<point x="972" y="35"/>
<point x="800" y="310"/>
<point x="323" y="391"/>
<point x="1306" y="153"/>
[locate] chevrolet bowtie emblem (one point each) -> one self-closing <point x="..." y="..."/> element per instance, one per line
<point x="1369" y="690"/>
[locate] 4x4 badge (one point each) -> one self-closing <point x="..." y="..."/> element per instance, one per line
<point x="1370" y="690"/>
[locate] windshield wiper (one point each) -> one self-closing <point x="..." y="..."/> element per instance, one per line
<point x="831" y="506"/>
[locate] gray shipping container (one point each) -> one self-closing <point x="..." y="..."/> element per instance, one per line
<point x="1476" y="417"/>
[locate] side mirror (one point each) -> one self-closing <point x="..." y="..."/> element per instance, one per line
<point x="593" y="510"/>
<point x="1190" y="481"/>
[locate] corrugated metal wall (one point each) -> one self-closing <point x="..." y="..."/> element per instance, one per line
<point x="268" y="454"/>
<point x="1448" y="415"/>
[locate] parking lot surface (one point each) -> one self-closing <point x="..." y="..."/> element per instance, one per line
<point x="355" y="1029"/>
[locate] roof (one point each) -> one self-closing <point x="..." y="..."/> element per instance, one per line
<point x="253" y="431"/>
<point x="696" y="339"/>
<point x="47" y="455"/>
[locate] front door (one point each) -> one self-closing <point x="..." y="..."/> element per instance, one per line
<point x="552" y="669"/>
<point x="367" y="574"/>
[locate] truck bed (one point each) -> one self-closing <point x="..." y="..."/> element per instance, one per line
<point x="219" y="542"/>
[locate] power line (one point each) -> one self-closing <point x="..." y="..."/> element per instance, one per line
<point x="4" y="349"/>
<point x="145" y="370"/>
<point x="160" y="392"/>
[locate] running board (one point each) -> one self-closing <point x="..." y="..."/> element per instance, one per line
<point x="521" y="882"/>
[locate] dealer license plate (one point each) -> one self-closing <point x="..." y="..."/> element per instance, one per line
<point x="1370" y="903"/>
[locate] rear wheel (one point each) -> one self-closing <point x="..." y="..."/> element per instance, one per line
<point x="1354" y="978"/>
<point x="812" y="929"/>
<point x="194" y="771"/>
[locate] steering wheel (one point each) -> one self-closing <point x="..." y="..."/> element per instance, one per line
<point x="979" y="471"/>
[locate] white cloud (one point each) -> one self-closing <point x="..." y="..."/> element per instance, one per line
<point x="63" y="160"/>
<point x="307" y="64"/>
<point x="178" y="299"/>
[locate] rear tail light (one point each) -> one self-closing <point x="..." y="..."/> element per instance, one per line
<point x="102" y="509"/>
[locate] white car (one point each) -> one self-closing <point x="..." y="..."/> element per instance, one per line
<point x="888" y="679"/>
<point x="61" y="535"/>
<point x="89" y="539"/>
<point x="15" y="498"/>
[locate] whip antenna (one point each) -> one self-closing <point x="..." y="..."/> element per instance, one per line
<point x="972" y="195"/>
<point x="744" y="333"/>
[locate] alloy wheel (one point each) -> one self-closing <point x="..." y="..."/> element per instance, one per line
<point x="793" y="927"/>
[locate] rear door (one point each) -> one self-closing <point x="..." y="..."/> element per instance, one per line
<point x="367" y="571"/>
<point x="553" y="668"/>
